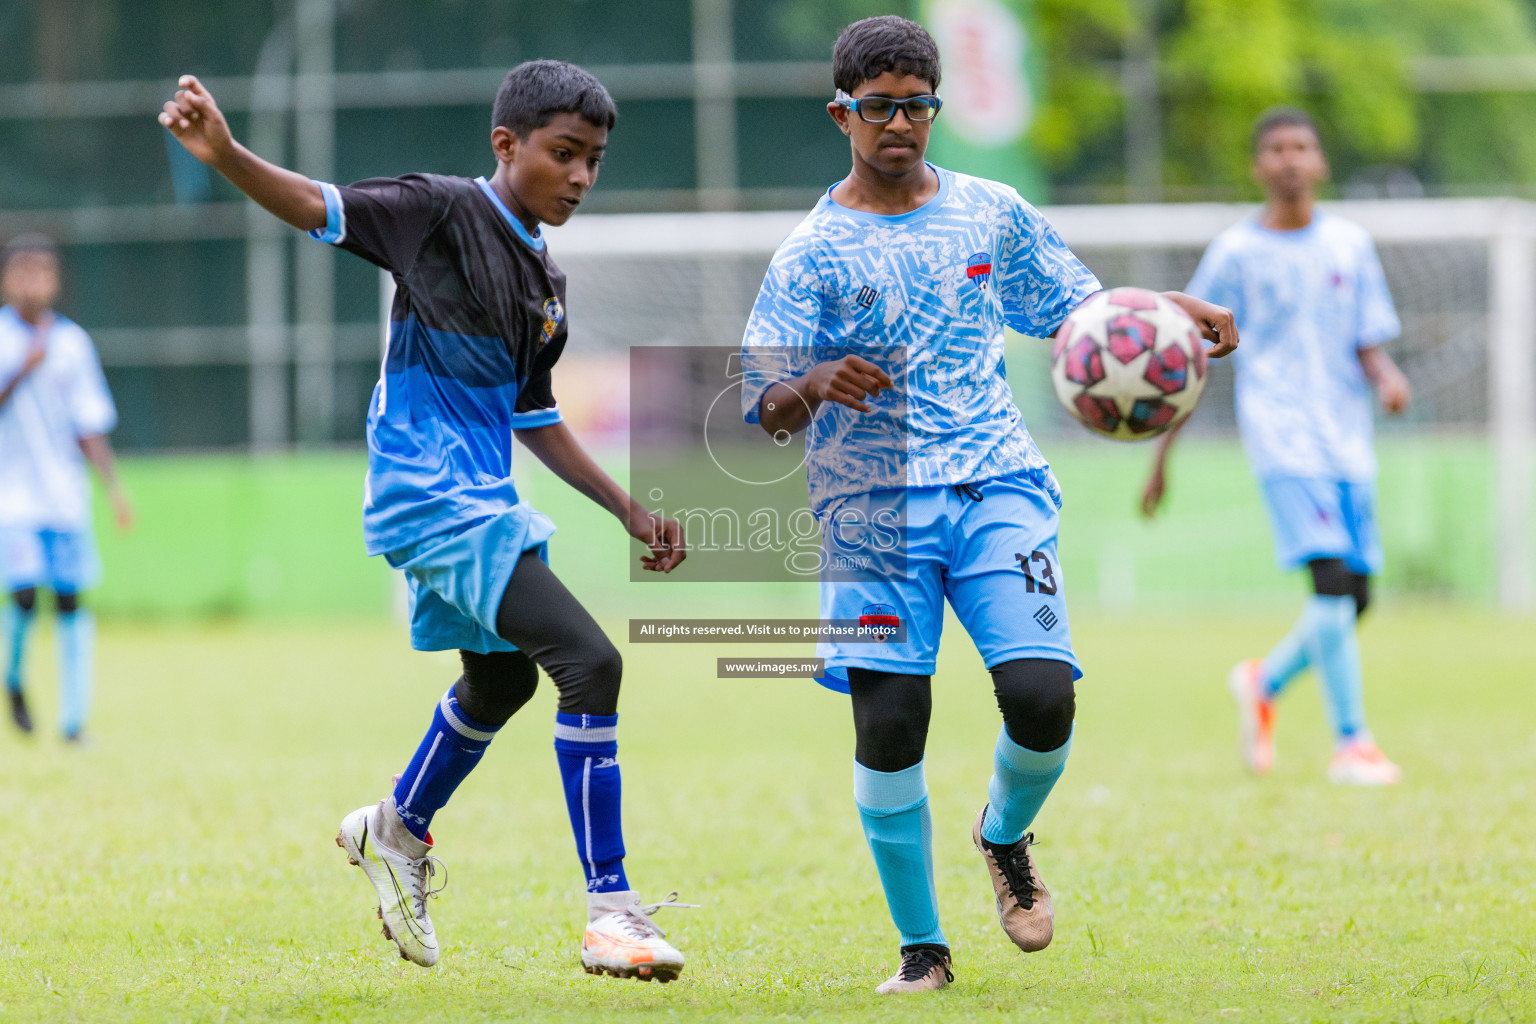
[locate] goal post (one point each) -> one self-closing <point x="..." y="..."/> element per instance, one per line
<point x="1462" y="272"/>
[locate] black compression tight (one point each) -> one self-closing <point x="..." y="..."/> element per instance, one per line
<point x="1332" y="578"/>
<point x="891" y="710"/>
<point x="552" y="630"/>
<point x="26" y="600"/>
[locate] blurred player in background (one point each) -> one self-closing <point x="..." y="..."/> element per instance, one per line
<point x="1312" y="303"/>
<point x="920" y="268"/>
<point x="478" y="323"/>
<point x="55" y="414"/>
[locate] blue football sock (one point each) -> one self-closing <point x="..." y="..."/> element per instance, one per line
<point x="1334" y="649"/>
<point x="1290" y="657"/>
<point x="76" y="632"/>
<point x="1021" y="780"/>
<point x="17" y="625"/>
<point x="893" y="808"/>
<point x="587" y="747"/>
<point x="447" y="754"/>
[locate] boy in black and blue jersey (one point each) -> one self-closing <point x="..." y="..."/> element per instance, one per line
<point x="478" y="323"/>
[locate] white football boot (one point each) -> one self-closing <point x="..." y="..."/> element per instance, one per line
<point x="622" y="940"/>
<point x="401" y="868"/>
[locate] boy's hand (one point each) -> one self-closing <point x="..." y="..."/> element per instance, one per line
<point x="662" y="535"/>
<point x="122" y="511"/>
<point x="1216" y="323"/>
<point x="196" y="121"/>
<point x="846" y="381"/>
<point x="1395" y="391"/>
<point x="1152" y="494"/>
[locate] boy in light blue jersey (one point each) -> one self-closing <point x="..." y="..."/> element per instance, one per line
<point x="55" y="415"/>
<point x="879" y="327"/>
<point x="1312" y="302"/>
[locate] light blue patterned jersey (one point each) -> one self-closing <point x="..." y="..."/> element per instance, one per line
<point x="925" y="295"/>
<point x="1306" y="302"/>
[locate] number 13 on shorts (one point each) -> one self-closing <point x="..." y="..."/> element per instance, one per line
<point x="1038" y="573"/>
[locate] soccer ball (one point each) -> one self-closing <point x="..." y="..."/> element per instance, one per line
<point x="1128" y="364"/>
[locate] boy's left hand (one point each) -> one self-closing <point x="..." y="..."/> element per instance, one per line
<point x="122" y="511"/>
<point x="662" y="535"/>
<point x="1216" y="323"/>
<point x="1395" y="392"/>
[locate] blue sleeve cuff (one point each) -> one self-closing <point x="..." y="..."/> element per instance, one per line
<point x="751" y="413"/>
<point x="335" y="230"/>
<point x="537" y="418"/>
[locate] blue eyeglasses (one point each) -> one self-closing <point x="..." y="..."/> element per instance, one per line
<point x="880" y="109"/>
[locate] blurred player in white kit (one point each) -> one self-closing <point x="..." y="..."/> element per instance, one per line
<point x="55" y="414"/>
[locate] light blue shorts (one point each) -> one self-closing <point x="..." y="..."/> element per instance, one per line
<point x="64" y="561"/>
<point x="457" y="578"/>
<point x="993" y="559"/>
<point x="1314" y="519"/>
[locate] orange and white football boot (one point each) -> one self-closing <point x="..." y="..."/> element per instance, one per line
<point x="622" y="940"/>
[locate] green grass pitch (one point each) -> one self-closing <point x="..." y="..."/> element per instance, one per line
<point x="182" y="868"/>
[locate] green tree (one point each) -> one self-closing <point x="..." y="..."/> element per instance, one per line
<point x="1221" y="62"/>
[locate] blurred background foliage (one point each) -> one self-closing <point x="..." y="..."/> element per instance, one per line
<point x="1350" y="62"/>
<point x="1358" y="64"/>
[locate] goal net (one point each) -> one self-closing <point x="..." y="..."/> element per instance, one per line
<point x="1457" y="469"/>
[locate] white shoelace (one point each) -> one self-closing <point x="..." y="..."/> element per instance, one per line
<point x="426" y="869"/>
<point x="637" y="916"/>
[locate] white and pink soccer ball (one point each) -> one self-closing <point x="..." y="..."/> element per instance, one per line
<point x="1129" y="364"/>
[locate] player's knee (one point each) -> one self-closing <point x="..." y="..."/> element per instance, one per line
<point x="889" y="739"/>
<point x="1331" y="578"/>
<point x="1038" y="701"/>
<point x="591" y="682"/>
<point x="25" y="598"/>
<point x="607" y="674"/>
<point x="1362" y="592"/>
<point x="890" y="718"/>
<point x="495" y="685"/>
<point x="66" y="603"/>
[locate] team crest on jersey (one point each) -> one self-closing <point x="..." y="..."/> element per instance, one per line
<point x="553" y="314"/>
<point x="881" y="620"/>
<point x="979" y="269"/>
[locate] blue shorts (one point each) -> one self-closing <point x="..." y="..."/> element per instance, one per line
<point x="1314" y="519"/>
<point x="993" y="559"/>
<point x="457" y="578"/>
<point x="64" y="561"/>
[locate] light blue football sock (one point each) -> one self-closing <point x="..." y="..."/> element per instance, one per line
<point x="1021" y="780"/>
<point x="893" y="808"/>
<point x="1290" y="657"/>
<point x="17" y="625"/>
<point x="76" y="633"/>
<point x="1334" y="649"/>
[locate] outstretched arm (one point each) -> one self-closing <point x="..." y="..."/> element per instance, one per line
<point x="1390" y="382"/>
<point x="98" y="451"/>
<point x="558" y="449"/>
<point x="1219" y="326"/>
<point x="1216" y="323"/>
<point x="196" y="121"/>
